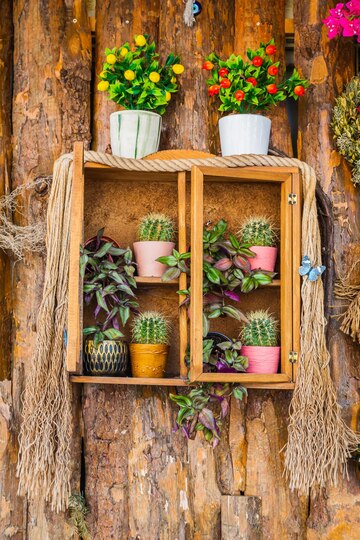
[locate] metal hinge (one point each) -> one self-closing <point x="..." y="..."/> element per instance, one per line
<point x="292" y="198"/>
<point x="293" y="356"/>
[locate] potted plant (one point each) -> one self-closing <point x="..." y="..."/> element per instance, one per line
<point x="107" y="271"/>
<point x="244" y="88"/>
<point x="134" y="78"/>
<point x="149" y="349"/>
<point x="260" y="235"/>
<point x="260" y="337"/>
<point x="156" y="234"/>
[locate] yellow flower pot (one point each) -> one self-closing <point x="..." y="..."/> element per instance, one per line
<point x="148" y="360"/>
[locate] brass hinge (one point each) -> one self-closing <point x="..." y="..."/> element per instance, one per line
<point x="292" y="198"/>
<point x="293" y="356"/>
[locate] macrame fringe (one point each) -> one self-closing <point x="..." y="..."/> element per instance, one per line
<point x="319" y="442"/>
<point x="14" y="238"/>
<point x="189" y="18"/>
<point x="344" y="290"/>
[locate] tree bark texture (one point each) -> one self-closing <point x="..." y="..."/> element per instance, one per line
<point x="329" y="65"/>
<point x="142" y="481"/>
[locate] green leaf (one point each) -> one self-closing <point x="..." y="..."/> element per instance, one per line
<point x="103" y="250"/>
<point x="101" y="302"/>
<point x="113" y="333"/>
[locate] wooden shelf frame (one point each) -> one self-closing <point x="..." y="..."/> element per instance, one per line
<point x="288" y="178"/>
<point x="289" y="284"/>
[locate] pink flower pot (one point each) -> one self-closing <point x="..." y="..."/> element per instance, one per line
<point x="146" y="254"/>
<point x="265" y="258"/>
<point x="261" y="359"/>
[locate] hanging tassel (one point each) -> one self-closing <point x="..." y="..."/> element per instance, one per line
<point x="189" y="18"/>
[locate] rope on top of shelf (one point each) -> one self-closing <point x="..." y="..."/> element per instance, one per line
<point x="319" y="441"/>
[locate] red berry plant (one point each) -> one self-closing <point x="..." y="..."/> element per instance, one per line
<point x="247" y="86"/>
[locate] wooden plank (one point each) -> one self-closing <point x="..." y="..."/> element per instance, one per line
<point x="74" y="325"/>
<point x="155" y="281"/>
<point x="286" y="276"/>
<point x="241" y="517"/>
<point x="244" y="377"/>
<point x="196" y="303"/>
<point x="183" y="278"/>
<point x="260" y="174"/>
<point x="134" y="381"/>
<point x="179" y="154"/>
<point x="296" y="261"/>
<point x="289" y="26"/>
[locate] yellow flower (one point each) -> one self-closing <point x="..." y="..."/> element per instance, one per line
<point x="123" y="52"/>
<point x="102" y="74"/>
<point x="111" y="58"/>
<point x="129" y="75"/>
<point x="140" y="41"/>
<point x="167" y="96"/>
<point x="178" y="68"/>
<point x="154" y="77"/>
<point x="173" y="80"/>
<point x="103" y="85"/>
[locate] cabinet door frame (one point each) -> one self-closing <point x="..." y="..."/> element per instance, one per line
<point x="289" y="179"/>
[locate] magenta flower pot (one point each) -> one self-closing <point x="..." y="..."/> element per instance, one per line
<point x="265" y="258"/>
<point x="261" y="359"/>
<point x="146" y="254"/>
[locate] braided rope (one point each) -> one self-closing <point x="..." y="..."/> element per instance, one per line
<point x="319" y="442"/>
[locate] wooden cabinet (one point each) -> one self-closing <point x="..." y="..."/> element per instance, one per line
<point x="117" y="199"/>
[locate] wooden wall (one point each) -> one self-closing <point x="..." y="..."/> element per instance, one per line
<point x="141" y="480"/>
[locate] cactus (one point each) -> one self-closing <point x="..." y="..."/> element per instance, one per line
<point x="261" y="330"/>
<point x="156" y="227"/>
<point x="258" y="231"/>
<point x="150" y="327"/>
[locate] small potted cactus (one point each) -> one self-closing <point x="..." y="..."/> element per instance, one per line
<point x="260" y="337"/>
<point x="156" y="234"/>
<point x="259" y="234"/>
<point x="149" y="349"/>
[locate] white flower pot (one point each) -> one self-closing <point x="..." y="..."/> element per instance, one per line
<point x="244" y="134"/>
<point x="134" y="134"/>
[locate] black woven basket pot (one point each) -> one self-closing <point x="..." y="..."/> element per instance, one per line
<point x="110" y="357"/>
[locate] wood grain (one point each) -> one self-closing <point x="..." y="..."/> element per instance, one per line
<point x="241" y="518"/>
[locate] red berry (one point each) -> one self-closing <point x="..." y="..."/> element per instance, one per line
<point x="223" y="72"/>
<point x="225" y="83"/>
<point x="208" y="65"/>
<point x="257" y="61"/>
<point x="358" y="108"/>
<point x="299" y="90"/>
<point x="273" y="70"/>
<point x="270" y="50"/>
<point x="271" y="88"/>
<point x="239" y="95"/>
<point x="252" y="81"/>
<point x="215" y="89"/>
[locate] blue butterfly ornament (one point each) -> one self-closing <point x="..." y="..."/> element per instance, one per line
<point x="312" y="272"/>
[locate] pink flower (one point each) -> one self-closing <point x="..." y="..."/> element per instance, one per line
<point x="344" y="20"/>
<point x="354" y="7"/>
<point x="348" y="27"/>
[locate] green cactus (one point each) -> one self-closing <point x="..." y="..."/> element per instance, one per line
<point x="258" y="231"/>
<point x="150" y="327"/>
<point x="261" y="330"/>
<point x="156" y="227"/>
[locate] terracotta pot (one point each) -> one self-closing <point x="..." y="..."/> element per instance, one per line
<point x="261" y="359"/>
<point x="103" y="238"/>
<point x="148" y="360"/>
<point x="110" y="357"/>
<point x="146" y="254"/>
<point x="265" y="258"/>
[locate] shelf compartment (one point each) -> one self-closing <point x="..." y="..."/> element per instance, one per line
<point x="154" y="281"/>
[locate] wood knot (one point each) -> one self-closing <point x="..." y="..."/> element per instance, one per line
<point x="42" y="184"/>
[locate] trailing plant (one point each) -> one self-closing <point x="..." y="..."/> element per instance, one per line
<point x="150" y="327"/>
<point x="156" y="227"/>
<point x="261" y="330"/>
<point x="134" y="77"/>
<point x="221" y="356"/>
<point x="77" y="515"/>
<point x="247" y="86"/>
<point x="344" y="20"/>
<point x="205" y="408"/>
<point x="258" y="231"/>
<point x="345" y="124"/>
<point x="226" y="268"/>
<point x="108" y="273"/>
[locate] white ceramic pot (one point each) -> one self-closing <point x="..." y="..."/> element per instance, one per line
<point x="244" y="134"/>
<point x="134" y="134"/>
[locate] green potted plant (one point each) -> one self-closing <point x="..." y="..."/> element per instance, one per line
<point x="260" y="235"/>
<point x="246" y="87"/>
<point x="260" y="338"/>
<point x="156" y="234"/>
<point x="149" y="348"/>
<point x="136" y="80"/>
<point x="108" y="283"/>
